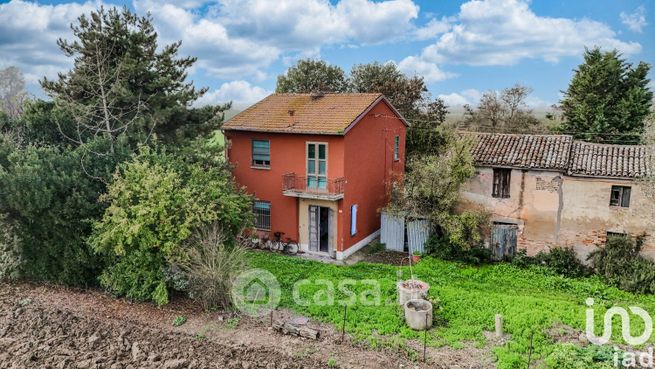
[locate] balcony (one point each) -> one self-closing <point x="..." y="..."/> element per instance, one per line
<point x="324" y="189"/>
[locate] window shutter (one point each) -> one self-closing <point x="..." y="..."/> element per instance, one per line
<point x="353" y="220"/>
<point x="626" y="197"/>
<point x="261" y="150"/>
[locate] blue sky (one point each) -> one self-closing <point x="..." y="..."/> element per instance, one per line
<point x="462" y="48"/>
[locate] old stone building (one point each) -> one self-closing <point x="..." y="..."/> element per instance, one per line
<point x="545" y="191"/>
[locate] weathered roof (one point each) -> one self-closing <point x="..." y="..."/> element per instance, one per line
<point x="330" y="113"/>
<point x="601" y="160"/>
<point x="522" y="151"/>
<point x="561" y="153"/>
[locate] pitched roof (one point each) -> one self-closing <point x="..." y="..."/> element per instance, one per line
<point x="522" y="151"/>
<point x="601" y="160"/>
<point x="562" y="153"/>
<point x="329" y="113"/>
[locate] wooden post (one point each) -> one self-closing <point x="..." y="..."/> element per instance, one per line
<point x="530" y="352"/>
<point x="343" y="326"/>
<point x="425" y="336"/>
<point x="499" y="326"/>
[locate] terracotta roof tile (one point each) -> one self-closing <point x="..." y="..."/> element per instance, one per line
<point x="562" y="153"/>
<point x="601" y="160"/>
<point x="303" y="113"/>
<point x="522" y="151"/>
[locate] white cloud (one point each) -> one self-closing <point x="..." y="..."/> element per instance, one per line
<point x="504" y="32"/>
<point x="459" y="99"/>
<point x="433" y="28"/>
<point x="241" y="93"/>
<point x="412" y="65"/>
<point x="218" y="52"/>
<point x="28" y="35"/>
<point x="232" y="38"/>
<point x="636" y="20"/>
<point x="300" y="24"/>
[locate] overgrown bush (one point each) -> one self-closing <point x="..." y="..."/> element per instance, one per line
<point x="443" y="248"/>
<point x="9" y="250"/>
<point x="49" y="195"/>
<point x="620" y="264"/>
<point x="560" y="260"/>
<point x="211" y="265"/>
<point x="155" y="202"/>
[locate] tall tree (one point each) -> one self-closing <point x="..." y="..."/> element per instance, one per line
<point x="12" y="91"/>
<point x="504" y="111"/>
<point x="407" y="94"/>
<point x="122" y="86"/>
<point x="309" y="76"/>
<point x="608" y="99"/>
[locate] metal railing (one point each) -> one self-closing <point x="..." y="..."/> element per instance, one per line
<point x="296" y="183"/>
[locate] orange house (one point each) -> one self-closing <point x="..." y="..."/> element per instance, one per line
<point x="320" y="166"/>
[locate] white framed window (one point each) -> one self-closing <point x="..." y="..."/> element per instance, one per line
<point x="317" y="165"/>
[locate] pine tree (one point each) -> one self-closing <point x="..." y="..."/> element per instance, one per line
<point x="122" y="86"/>
<point x="607" y="100"/>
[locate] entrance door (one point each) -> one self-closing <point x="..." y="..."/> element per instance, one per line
<point x="320" y="228"/>
<point x="503" y="240"/>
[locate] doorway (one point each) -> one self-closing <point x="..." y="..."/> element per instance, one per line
<point x="504" y="240"/>
<point x="320" y="229"/>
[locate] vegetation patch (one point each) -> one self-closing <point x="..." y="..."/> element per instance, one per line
<point x="532" y="300"/>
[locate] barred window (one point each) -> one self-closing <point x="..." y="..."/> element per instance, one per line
<point x="262" y="211"/>
<point x="502" y="179"/>
<point x="261" y="153"/>
<point x="396" y="148"/>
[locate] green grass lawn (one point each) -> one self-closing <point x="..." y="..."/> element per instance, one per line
<point x="530" y="300"/>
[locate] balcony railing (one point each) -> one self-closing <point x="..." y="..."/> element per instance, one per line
<point x="313" y="187"/>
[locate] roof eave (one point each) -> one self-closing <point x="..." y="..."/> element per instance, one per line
<point x="299" y="132"/>
<point x="370" y="107"/>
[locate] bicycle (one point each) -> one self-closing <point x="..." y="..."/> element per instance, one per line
<point x="288" y="246"/>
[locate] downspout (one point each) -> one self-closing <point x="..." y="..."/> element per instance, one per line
<point x="560" y="207"/>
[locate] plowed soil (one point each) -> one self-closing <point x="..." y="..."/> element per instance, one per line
<point x="55" y="327"/>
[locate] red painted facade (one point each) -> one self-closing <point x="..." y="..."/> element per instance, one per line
<point x="363" y="156"/>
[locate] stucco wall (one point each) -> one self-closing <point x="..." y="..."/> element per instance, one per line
<point x="587" y="215"/>
<point x="552" y="209"/>
<point x="533" y="204"/>
<point x="364" y="156"/>
<point x="287" y="155"/>
<point x="370" y="169"/>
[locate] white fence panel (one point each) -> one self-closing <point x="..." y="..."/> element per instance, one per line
<point x="418" y="232"/>
<point x="392" y="232"/>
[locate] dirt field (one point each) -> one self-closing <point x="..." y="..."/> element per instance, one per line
<point x="53" y="327"/>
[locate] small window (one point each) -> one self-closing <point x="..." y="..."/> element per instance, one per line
<point x="396" y="148"/>
<point x="501" y="183"/>
<point x="262" y="211"/>
<point x="353" y="220"/>
<point x="616" y="234"/>
<point x="261" y="153"/>
<point x="620" y="196"/>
